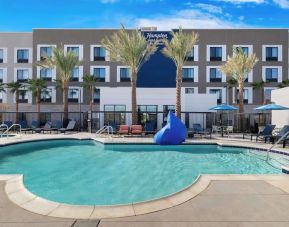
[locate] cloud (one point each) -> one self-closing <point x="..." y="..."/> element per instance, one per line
<point x="108" y="1"/>
<point x="284" y="4"/>
<point x="192" y="18"/>
<point x="242" y="1"/>
<point x="210" y="8"/>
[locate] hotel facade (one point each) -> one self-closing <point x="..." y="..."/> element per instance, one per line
<point x="203" y="84"/>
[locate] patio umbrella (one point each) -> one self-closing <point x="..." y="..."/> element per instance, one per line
<point x="223" y="107"/>
<point x="272" y="107"/>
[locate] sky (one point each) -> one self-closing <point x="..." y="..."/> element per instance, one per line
<point x="25" y="15"/>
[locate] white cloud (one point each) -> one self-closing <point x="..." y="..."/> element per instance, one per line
<point x="282" y="3"/>
<point x="242" y="1"/>
<point x="108" y="1"/>
<point x="191" y="18"/>
<point x="209" y="8"/>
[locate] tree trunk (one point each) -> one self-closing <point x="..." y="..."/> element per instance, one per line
<point x="38" y="106"/>
<point x="90" y="100"/>
<point x="65" y="104"/>
<point x="133" y="98"/>
<point x="17" y="105"/>
<point x="262" y="96"/>
<point x="178" y="92"/>
<point x="241" y="105"/>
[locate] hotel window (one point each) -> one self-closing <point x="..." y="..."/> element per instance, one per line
<point x="267" y="94"/>
<point x="23" y="96"/>
<point x="45" y="52"/>
<point x="188" y="74"/>
<point x="73" y="95"/>
<point x="215" y="75"/>
<point x="74" y="50"/>
<point x="75" y="74"/>
<point x="114" y="114"/>
<point x="22" y="56"/>
<point x="46" y="95"/>
<point x="46" y="74"/>
<point x="99" y="54"/>
<point x="1" y="55"/>
<point x="189" y="90"/>
<point x="271" y="53"/>
<point x="99" y="74"/>
<point x="219" y="94"/>
<point x="245" y="95"/>
<point x="22" y="75"/>
<point x="1" y="75"/>
<point x="244" y="49"/>
<point x="271" y="74"/>
<point x="215" y="53"/>
<point x="148" y="113"/>
<point x="124" y="74"/>
<point x="190" y="56"/>
<point x="96" y="95"/>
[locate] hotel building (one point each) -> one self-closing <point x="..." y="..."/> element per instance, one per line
<point x="203" y="84"/>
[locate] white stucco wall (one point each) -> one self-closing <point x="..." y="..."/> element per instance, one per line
<point x="280" y="97"/>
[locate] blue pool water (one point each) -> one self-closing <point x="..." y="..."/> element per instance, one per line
<point x="88" y="173"/>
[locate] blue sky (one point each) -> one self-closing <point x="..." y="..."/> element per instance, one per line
<point x="22" y="15"/>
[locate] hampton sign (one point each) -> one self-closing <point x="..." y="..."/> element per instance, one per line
<point x="156" y="36"/>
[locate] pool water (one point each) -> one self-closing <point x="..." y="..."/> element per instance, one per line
<point x="88" y="173"/>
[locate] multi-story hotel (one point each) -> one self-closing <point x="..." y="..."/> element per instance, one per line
<point x="203" y="84"/>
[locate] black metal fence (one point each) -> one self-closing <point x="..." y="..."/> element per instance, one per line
<point x="98" y="119"/>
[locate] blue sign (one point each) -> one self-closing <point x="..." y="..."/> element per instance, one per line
<point x="159" y="70"/>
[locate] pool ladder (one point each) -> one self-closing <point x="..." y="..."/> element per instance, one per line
<point x="9" y="128"/>
<point x="105" y="128"/>
<point x="278" y="141"/>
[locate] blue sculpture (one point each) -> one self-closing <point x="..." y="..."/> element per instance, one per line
<point x="173" y="133"/>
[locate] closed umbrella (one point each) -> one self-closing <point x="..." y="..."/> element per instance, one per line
<point x="223" y="107"/>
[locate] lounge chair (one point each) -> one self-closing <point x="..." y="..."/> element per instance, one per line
<point x="113" y="126"/>
<point x="24" y="126"/>
<point x="136" y="130"/>
<point x="197" y="129"/>
<point x="47" y="126"/>
<point x="265" y="134"/>
<point x="70" y="127"/>
<point x="229" y="129"/>
<point x="123" y="129"/>
<point x="55" y="127"/>
<point x="150" y="127"/>
<point x="282" y="133"/>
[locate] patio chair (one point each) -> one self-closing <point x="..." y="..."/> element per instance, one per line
<point x="228" y="130"/>
<point x="24" y="126"/>
<point x="197" y="129"/>
<point x="136" y="130"/>
<point x="114" y="127"/>
<point x="216" y="129"/>
<point x="123" y="129"/>
<point x="283" y="132"/>
<point x="47" y="126"/>
<point x="149" y="127"/>
<point x="70" y="127"/>
<point x="265" y="134"/>
<point x="54" y="127"/>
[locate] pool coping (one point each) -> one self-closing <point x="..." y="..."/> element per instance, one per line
<point x="20" y="195"/>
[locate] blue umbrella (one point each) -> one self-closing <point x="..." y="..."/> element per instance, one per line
<point x="272" y="107"/>
<point x="223" y="107"/>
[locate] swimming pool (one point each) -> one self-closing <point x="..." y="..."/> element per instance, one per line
<point x="88" y="173"/>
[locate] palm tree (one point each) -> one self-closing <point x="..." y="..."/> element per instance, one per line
<point x="237" y="66"/>
<point x="260" y="86"/>
<point x="89" y="82"/>
<point x="15" y="88"/>
<point x="232" y="83"/>
<point x="36" y="86"/>
<point x="64" y="63"/>
<point x="178" y="50"/>
<point x="285" y="83"/>
<point x="131" y="49"/>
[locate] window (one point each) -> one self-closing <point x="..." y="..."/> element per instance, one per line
<point x="114" y="114"/>
<point x="99" y="74"/>
<point x="219" y="94"/>
<point x="75" y="50"/>
<point x="190" y="56"/>
<point x="245" y="96"/>
<point x="244" y="49"/>
<point x="73" y="94"/>
<point x="96" y="96"/>
<point x="22" y="56"/>
<point x="271" y="74"/>
<point x="1" y="55"/>
<point x="188" y="74"/>
<point x="1" y="75"/>
<point x="148" y="113"/>
<point x="215" y="53"/>
<point x="75" y="74"/>
<point x="124" y="74"/>
<point x="99" y="53"/>
<point x="267" y="94"/>
<point x="215" y="75"/>
<point x="46" y="95"/>
<point x="23" y="96"/>
<point x="246" y="78"/>
<point x="22" y="75"/>
<point x="271" y="53"/>
<point x="46" y="74"/>
<point x="45" y="52"/>
<point x="189" y="90"/>
<point x="1" y="96"/>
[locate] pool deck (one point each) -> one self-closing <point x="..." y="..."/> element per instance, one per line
<point x="215" y="200"/>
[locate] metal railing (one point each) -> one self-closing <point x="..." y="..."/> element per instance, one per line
<point x="107" y="128"/>
<point x="3" y="133"/>
<point x="8" y="129"/>
<point x="274" y="145"/>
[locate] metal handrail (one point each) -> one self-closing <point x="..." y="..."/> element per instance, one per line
<point x="6" y="126"/>
<point x="278" y="141"/>
<point x="106" y="127"/>
<point x="8" y="129"/>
